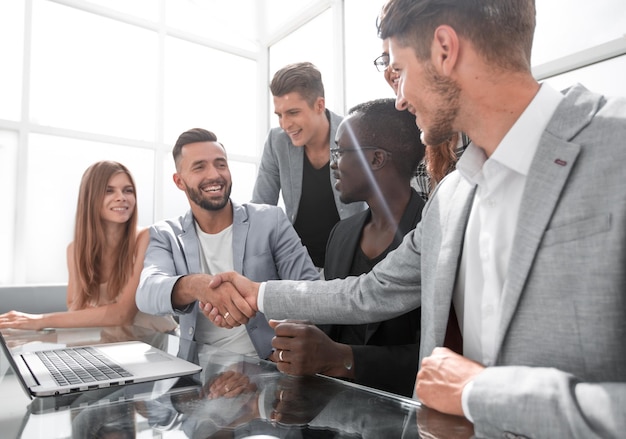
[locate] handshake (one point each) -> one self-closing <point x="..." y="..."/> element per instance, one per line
<point x="226" y="299"/>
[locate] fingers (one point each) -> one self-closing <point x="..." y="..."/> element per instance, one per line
<point x="274" y="323"/>
<point x="229" y="385"/>
<point x="213" y="314"/>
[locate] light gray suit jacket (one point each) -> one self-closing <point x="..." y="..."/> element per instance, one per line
<point x="560" y="369"/>
<point x="265" y="246"/>
<point x="281" y="168"/>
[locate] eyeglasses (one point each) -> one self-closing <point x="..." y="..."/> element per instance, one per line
<point x="335" y="153"/>
<point x="382" y="62"/>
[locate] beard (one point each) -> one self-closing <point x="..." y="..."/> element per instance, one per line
<point x="442" y="128"/>
<point x="198" y="197"/>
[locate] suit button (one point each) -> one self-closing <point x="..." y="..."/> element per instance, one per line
<point x="191" y="330"/>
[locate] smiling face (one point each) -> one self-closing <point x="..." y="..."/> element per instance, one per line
<point x="204" y="176"/>
<point x="119" y="200"/>
<point x="301" y="121"/>
<point x="352" y="169"/>
<point x="431" y="97"/>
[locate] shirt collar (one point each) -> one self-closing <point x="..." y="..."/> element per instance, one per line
<point x="526" y="132"/>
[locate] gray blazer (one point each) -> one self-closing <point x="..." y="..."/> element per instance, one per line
<point x="281" y="167"/>
<point x="561" y="345"/>
<point x="265" y="246"/>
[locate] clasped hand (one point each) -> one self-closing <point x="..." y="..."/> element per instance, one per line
<point x="231" y="300"/>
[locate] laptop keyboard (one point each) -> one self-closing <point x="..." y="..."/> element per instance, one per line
<point x="80" y="365"/>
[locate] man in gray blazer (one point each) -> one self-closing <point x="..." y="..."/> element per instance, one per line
<point x="296" y="158"/>
<point x="526" y="241"/>
<point x="255" y="240"/>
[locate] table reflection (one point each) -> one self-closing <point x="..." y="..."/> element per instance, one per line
<point x="233" y="397"/>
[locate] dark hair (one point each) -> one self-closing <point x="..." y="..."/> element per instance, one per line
<point x="192" y="136"/>
<point x="303" y="78"/>
<point x="383" y="126"/>
<point x="501" y="30"/>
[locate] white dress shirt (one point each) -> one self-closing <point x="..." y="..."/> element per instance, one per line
<point x="500" y="181"/>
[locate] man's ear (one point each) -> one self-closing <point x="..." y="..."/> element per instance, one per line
<point x="379" y="160"/>
<point x="320" y="104"/>
<point x="445" y="50"/>
<point x="178" y="181"/>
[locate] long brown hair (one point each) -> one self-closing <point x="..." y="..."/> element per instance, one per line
<point x="441" y="160"/>
<point x="89" y="237"/>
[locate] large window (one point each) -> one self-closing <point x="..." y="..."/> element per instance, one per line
<point x="84" y="80"/>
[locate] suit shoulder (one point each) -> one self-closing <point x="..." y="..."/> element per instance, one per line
<point x="261" y="209"/>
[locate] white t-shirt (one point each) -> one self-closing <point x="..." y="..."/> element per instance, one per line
<point x="217" y="257"/>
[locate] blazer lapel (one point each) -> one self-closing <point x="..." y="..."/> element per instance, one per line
<point x="453" y="233"/>
<point x="240" y="234"/>
<point x="190" y="245"/>
<point x="548" y="174"/>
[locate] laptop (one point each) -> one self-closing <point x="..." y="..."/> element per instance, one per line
<point x="77" y="369"/>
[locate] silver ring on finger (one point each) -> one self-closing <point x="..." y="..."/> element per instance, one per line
<point x="280" y="355"/>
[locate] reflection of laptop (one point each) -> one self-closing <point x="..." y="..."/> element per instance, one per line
<point x="58" y="371"/>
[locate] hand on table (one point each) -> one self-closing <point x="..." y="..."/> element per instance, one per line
<point x="228" y="384"/>
<point x="441" y="379"/>
<point x="21" y="320"/>
<point x="304" y="349"/>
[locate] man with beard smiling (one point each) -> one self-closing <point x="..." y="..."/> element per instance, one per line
<point x="217" y="234"/>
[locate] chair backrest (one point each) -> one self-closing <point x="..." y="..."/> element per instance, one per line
<point x="34" y="299"/>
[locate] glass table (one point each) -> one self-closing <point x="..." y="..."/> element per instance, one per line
<point x="233" y="397"/>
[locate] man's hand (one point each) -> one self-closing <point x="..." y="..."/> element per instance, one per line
<point x="304" y="349"/>
<point x="225" y="300"/>
<point x="441" y="380"/>
<point x="231" y="284"/>
<point x="229" y="385"/>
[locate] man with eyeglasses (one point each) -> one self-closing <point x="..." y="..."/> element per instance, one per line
<point x="377" y="151"/>
<point x="296" y="158"/>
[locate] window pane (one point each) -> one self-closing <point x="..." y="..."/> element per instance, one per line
<point x="606" y="77"/>
<point x="8" y="174"/>
<point x="175" y="202"/>
<point x="92" y="73"/>
<point x="56" y="165"/>
<point x="244" y="176"/>
<point x="11" y="48"/>
<point x="312" y="42"/>
<point x="206" y="88"/>
<point x="148" y="9"/>
<point x="569" y="26"/>
<point x="231" y="22"/>
<point x="279" y="13"/>
<point x="363" y="81"/>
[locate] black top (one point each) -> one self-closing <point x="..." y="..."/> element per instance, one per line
<point x="385" y="353"/>
<point x="317" y="212"/>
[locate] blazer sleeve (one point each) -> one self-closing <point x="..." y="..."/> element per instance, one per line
<point x="545" y="402"/>
<point x="267" y="186"/>
<point x="159" y="275"/>
<point x="391" y="289"/>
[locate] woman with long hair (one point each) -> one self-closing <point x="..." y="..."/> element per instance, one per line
<point x="104" y="260"/>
